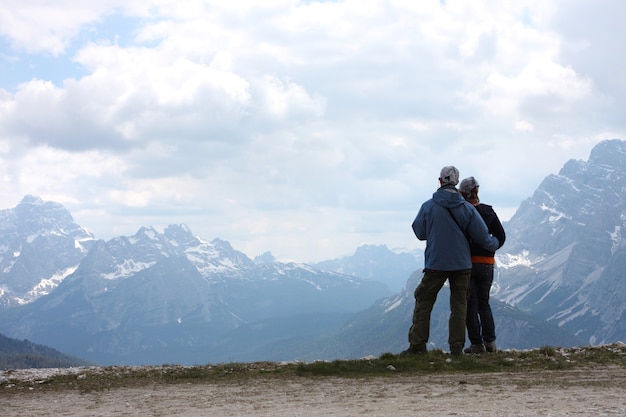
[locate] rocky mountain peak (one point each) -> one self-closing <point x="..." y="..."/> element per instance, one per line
<point x="265" y="258"/>
<point x="40" y="244"/>
<point x="35" y="216"/>
<point x="180" y="234"/>
<point x="581" y="204"/>
<point x="610" y="153"/>
<point x="569" y="237"/>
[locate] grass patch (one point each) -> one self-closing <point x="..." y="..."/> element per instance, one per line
<point x="437" y="362"/>
<point x="387" y="365"/>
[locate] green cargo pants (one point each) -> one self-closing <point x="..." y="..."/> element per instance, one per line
<point x="425" y="297"/>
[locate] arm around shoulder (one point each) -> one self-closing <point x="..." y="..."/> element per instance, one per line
<point x="480" y="233"/>
<point x="493" y="222"/>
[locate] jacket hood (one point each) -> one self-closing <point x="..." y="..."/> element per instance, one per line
<point x="448" y="196"/>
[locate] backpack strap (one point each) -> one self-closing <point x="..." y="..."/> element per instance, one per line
<point x="457" y="223"/>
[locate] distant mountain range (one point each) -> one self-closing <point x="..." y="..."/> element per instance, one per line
<point x="173" y="297"/>
<point x="159" y="297"/>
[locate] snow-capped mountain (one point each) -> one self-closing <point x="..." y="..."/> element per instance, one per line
<point x="565" y="255"/>
<point x="173" y="297"/>
<point x="40" y="245"/>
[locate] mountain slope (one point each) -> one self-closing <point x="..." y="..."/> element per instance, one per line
<point x="564" y="260"/>
<point x="19" y="354"/>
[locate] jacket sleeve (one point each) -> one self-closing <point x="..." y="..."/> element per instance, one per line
<point x="419" y="225"/>
<point x="496" y="229"/>
<point x="479" y="232"/>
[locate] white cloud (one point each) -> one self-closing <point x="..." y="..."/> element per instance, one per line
<point x="304" y="128"/>
<point x="285" y="101"/>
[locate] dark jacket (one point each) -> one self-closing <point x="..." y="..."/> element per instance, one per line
<point x="495" y="228"/>
<point x="447" y="247"/>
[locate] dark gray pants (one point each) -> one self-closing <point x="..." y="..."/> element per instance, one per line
<point x="425" y="297"/>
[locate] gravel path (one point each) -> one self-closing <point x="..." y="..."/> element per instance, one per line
<point x="598" y="392"/>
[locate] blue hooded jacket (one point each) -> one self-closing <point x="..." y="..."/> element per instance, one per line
<point x="447" y="247"/>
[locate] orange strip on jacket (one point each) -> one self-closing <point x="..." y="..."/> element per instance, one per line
<point x="483" y="260"/>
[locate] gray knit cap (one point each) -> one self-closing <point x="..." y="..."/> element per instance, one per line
<point x="449" y="175"/>
<point x="468" y="184"/>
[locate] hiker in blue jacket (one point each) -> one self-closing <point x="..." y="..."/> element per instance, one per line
<point x="447" y="223"/>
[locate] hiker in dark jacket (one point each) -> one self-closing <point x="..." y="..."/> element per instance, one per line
<point x="481" y="329"/>
<point x="446" y="222"/>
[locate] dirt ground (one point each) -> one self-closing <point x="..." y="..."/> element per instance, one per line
<point x="597" y="392"/>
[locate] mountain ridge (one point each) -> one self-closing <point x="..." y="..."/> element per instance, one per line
<point x="155" y="296"/>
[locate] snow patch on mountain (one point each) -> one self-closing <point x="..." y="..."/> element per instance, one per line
<point x="46" y="285"/>
<point x="555" y="214"/>
<point x="393" y="304"/>
<point x="510" y="260"/>
<point x="10" y="263"/>
<point x="314" y="284"/>
<point x="579" y="309"/>
<point x="616" y="237"/>
<point x="126" y="269"/>
<point x="208" y="260"/>
<point x="83" y="244"/>
<point x="291" y="266"/>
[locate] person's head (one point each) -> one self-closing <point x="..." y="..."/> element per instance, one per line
<point x="449" y="175"/>
<point x="469" y="189"/>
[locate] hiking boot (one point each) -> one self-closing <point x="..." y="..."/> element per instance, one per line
<point x="475" y="349"/>
<point x="491" y="347"/>
<point x="414" y="350"/>
<point x="456" y="352"/>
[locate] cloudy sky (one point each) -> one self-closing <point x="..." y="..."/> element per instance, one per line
<point x="304" y="128"/>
